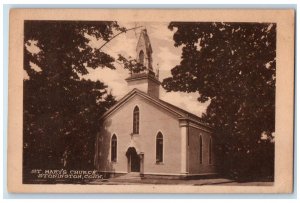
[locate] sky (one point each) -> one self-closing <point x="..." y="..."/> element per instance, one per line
<point x="165" y="57"/>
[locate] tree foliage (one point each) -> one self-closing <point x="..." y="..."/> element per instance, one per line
<point x="62" y="110"/>
<point x="233" y="66"/>
<point x="131" y="64"/>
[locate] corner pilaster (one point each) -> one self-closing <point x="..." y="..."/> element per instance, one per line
<point x="184" y="146"/>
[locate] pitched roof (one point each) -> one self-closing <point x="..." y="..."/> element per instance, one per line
<point x="182" y="114"/>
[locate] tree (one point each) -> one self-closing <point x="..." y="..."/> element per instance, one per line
<point x="131" y="64"/>
<point x="233" y="66"/>
<point x="62" y="110"/>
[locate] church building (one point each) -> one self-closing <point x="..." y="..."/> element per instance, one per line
<point x="145" y="135"/>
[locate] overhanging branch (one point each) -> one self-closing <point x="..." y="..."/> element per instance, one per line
<point x="118" y="35"/>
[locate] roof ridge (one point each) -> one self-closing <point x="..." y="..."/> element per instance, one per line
<point x="182" y="112"/>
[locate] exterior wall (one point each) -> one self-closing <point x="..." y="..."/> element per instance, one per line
<point x="145" y="84"/>
<point x="194" y="165"/>
<point x="141" y="84"/>
<point x="152" y="120"/>
<point x="153" y="89"/>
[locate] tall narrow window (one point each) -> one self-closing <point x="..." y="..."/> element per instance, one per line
<point x="141" y="57"/>
<point x="159" y="147"/>
<point x="210" y="151"/>
<point x="136" y="117"/>
<point x="200" y="149"/>
<point x="114" y="148"/>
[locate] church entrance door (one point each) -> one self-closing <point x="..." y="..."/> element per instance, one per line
<point x="133" y="160"/>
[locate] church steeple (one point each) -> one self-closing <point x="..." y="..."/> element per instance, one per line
<point x="146" y="80"/>
<point x="144" y="50"/>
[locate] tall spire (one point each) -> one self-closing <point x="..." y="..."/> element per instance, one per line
<point x="146" y="80"/>
<point x="144" y="50"/>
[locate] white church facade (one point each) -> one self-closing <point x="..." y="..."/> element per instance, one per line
<point x="144" y="134"/>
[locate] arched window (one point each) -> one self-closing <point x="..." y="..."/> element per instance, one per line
<point x="114" y="148"/>
<point x="200" y="149"/>
<point x="210" y="151"/>
<point x="136" y="118"/>
<point x="159" y="147"/>
<point x="141" y="57"/>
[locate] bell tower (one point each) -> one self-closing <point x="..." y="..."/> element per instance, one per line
<point x="144" y="50"/>
<point x="146" y="80"/>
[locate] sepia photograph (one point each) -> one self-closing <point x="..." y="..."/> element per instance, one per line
<point x="151" y="102"/>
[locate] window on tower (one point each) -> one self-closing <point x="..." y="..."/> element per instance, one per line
<point x="141" y="57"/>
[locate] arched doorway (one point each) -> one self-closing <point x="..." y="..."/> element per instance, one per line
<point x="134" y="161"/>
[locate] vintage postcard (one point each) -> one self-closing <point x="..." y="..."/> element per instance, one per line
<point x="151" y="101"/>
